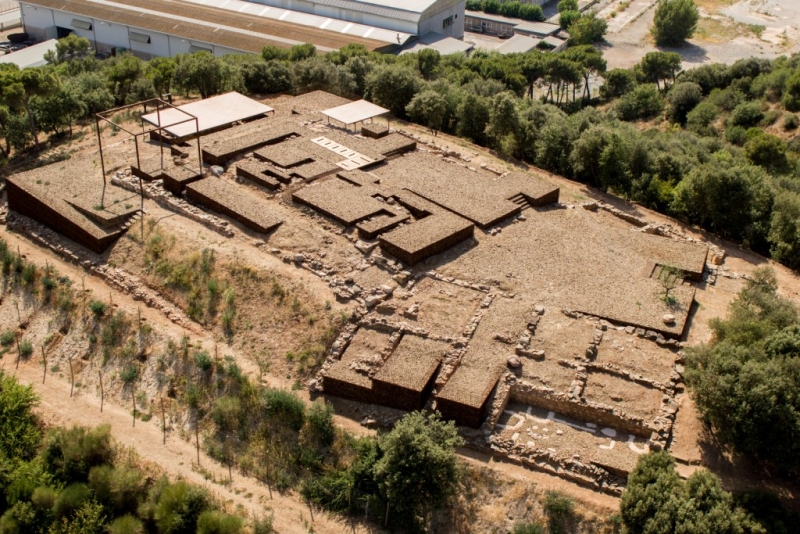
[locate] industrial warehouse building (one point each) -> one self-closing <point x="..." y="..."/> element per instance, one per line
<point x="152" y="28"/>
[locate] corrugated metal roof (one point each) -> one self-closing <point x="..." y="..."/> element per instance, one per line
<point x="215" y="26"/>
<point x="518" y="44"/>
<point x="305" y="19"/>
<point x="538" y="28"/>
<point x="409" y="11"/>
<point x="440" y="43"/>
<point x="486" y="16"/>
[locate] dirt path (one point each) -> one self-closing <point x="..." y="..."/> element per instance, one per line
<point x="176" y="457"/>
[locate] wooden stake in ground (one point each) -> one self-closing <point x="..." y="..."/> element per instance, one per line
<point x="100" y="375"/>
<point x="44" y="360"/>
<point x="133" y="401"/>
<point x="197" y="437"/>
<point x="163" y="421"/>
<point x="71" y="378"/>
<point x="19" y="354"/>
<point x="269" y="474"/>
<point x="19" y="317"/>
<point x="230" y="458"/>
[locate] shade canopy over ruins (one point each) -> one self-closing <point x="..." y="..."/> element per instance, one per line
<point x="212" y="113"/>
<point x="355" y="112"/>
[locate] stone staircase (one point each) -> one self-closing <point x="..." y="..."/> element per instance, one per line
<point x="521" y="201"/>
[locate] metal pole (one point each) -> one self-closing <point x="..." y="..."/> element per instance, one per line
<point x="133" y="402"/>
<point x="163" y="421"/>
<point x="100" y="374"/>
<point x="71" y="378"/>
<point x="197" y="437"/>
<point x="199" y="153"/>
<point x="160" y="133"/>
<point x="138" y="161"/>
<point x="102" y="160"/>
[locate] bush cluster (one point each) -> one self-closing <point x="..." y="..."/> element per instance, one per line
<point x="70" y="480"/>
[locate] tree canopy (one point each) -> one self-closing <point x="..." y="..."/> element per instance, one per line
<point x="746" y="382"/>
<point x="674" y="21"/>
<point x="657" y="501"/>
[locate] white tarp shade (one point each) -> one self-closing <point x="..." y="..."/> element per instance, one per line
<point x="211" y="113"/>
<point x="354" y="112"/>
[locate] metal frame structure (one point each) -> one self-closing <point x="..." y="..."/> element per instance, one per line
<point x="160" y="104"/>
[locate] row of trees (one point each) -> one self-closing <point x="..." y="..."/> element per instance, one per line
<point x="72" y="481"/>
<point x="746" y="382"/>
<point x="656" y="500"/>
<point x="508" y="8"/>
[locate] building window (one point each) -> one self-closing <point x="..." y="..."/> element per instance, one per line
<point x="139" y="37"/>
<point x="447" y="22"/>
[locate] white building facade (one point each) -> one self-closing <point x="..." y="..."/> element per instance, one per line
<point x="156" y="28"/>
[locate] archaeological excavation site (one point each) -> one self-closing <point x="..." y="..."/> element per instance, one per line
<point x="546" y="322"/>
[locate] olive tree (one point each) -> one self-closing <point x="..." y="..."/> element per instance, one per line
<point x="419" y="468"/>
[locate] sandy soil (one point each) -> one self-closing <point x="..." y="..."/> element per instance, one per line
<point x="723" y="35"/>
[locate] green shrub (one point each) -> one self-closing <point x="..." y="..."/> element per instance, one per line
<point x="179" y="507"/>
<point x="683" y="98"/>
<point x="528" y="528"/>
<point x="736" y="135"/>
<point x="213" y="522"/>
<point x="790" y="122"/>
<point x="113" y="332"/>
<point x="19" y="431"/>
<point x="44" y="498"/>
<point x="745" y="383"/>
<point x="29" y="274"/>
<point x="642" y="103"/>
<point x="117" y="488"/>
<point x="284" y="407"/>
<point x="747" y="114"/>
<point x="319" y="423"/>
<point x="70" y="500"/>
<point x="227" y="321"/>
<point x="263" y="525"/>
<point x="129" y="373"/>
<point x="7" y="338"/>
<point x="97" y="307"/>
<point x="558" y="506"/>
<point x="191" y="395"/>
<point x="126" y="524"/>
<point x="657" y="500"/>
<point x="69" y="454"/>
<point x="25" y="348"/>
<point x="227" y="413"/>
<point x="770" y="118"/>
<point x="203" y="360"/>
<point x="700" y="118"/>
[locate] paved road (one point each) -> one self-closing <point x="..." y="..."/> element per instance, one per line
<point x="621" y="20"/>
